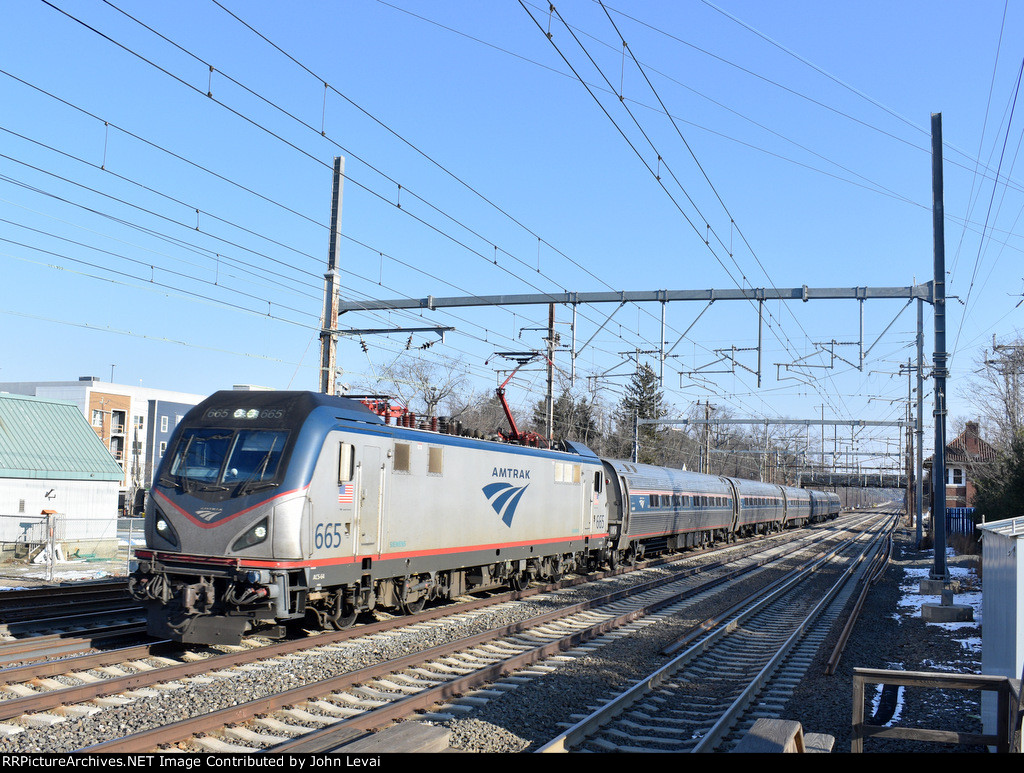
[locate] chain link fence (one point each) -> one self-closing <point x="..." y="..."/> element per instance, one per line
<point x="51" y="547"/>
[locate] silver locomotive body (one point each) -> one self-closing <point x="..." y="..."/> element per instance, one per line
<point x="272" y="508"/>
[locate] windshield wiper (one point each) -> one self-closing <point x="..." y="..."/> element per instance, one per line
<point x="256" y="476"/>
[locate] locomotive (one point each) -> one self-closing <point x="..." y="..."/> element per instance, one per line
<point x="278" y="509"/>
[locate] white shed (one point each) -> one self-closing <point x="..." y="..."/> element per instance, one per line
<point x="1002" y="645"/>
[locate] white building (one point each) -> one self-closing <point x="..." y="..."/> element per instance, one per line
<point x="134" y="423"/>
<point x="54" y="470"/>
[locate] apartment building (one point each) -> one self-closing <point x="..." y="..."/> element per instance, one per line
<point x="133" y="422"/>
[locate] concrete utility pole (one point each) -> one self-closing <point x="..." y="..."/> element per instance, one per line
<point x="328" y="336"/>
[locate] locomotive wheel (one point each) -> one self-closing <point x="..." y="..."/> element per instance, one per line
<point x="347" y="619"/>
<point x="516" y="582"/>
<point x="557" y="569"/>
<point x="410" y="607"/>
<point x="413" y="607"/>
<point x="343" y="614"/>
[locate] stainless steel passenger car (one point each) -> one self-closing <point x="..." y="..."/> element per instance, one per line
<point x="658" y="508"/>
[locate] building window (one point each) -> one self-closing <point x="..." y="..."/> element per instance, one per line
<point x="954" y="476"/>
<point x="97" y="418"/>
<point x="163" y="423"/>
<point x="140" y="422"/>
<point x="163" y="447"/>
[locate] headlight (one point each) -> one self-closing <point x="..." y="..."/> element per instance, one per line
<point x="166" y="532"/>
<point x="254" y="536"/>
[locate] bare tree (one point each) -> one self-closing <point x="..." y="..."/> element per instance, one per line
<point x="480" y="411"/>
<point x="994" y="389"/>
<point x="423" y="386"/>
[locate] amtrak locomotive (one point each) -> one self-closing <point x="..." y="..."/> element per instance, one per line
<point x="278" y="508"/>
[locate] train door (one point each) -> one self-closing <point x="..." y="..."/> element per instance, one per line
<point x="736" y="505"/>
<point x="370" y="470"/>
<point x="616" y="504"/>
<point x="595" y="519"/>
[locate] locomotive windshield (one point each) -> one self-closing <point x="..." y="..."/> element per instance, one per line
<point x="224" y="458"/>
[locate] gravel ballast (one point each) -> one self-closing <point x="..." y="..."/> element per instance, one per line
<point x="889" y="634"/>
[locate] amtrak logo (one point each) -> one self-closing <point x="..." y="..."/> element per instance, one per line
<point x="504" y="498"/>
<point x="208" y="514"/>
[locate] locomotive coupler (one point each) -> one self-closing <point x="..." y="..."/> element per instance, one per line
<point x="198" y="598"/>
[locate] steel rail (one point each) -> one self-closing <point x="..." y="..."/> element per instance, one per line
<point x="719" y="730"/>
<point x="602" y="716"/>
<point x="873" y="577"/>
<point x="373" y="719"/>
<point x="38" y="647"/>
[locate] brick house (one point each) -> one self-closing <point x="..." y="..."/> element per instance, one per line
<point x="965" y="455"/>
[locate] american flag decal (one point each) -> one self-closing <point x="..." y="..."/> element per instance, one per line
<point x="345" y="495"/>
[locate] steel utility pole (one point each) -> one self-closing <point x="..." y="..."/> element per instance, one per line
<point x="919" y="491"/>
<point x="328" y="336"/>
<point x="550" y="404"/>
<point x="939" y="571"/>
<point x="707" y="438"/>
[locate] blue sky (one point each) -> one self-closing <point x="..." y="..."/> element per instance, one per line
<point x="170" y="222"/>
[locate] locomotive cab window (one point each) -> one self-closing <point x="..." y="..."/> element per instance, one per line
<point x="225" y="456"/>
<point x="598" y="477"/>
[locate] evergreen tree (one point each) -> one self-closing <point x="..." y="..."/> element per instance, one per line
<point x="573" y="419"/>
<point x="644" y="400"/>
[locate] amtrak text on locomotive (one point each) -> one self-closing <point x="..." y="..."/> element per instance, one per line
<point x="510" y="472"/>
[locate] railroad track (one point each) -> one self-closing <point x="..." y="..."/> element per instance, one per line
<point x="367" y="685"/>
<point x="732" y="669"/>
<point x="60" y="609"/>
<point x="79" y="617"/>
<point x="63" y="620"/>
<point x="305" y="694"/>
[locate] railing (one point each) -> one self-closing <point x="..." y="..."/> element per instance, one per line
<point x="1005" y="739"/>
<point x="960" y="520"/>
<point x="34" y="546"/>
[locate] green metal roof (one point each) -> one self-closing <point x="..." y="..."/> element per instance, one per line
<point x="41" y="438"/>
